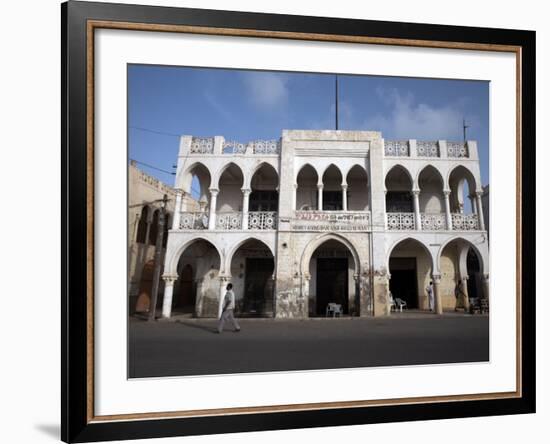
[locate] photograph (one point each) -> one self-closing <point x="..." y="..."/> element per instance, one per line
<point x="287" y="221"/>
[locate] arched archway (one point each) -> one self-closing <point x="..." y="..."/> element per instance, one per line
<point x="145" y="287"/>
<point x="357" y="195"/>
<point x="197" y="181"/>
<point x="332" y="189"/>
<point x="462" y="266"/>
<point x="306" y="188"/>
<point x="264" y="198"/>
<point x="197" y="288"/>
<point x="399" y="185"/>
<point x="251" y="264"/>
<point x="411" y="266"/>
<point x="430" y="183"/>
<point x="330" y="268"/>
<point x="463" y="186"/>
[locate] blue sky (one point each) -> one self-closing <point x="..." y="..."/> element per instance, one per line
<point x="242" y="105"/>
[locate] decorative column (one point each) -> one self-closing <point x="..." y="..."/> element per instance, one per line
<point x="480" y="211"/>
<point x="465" y="291"/>
<point x="224" y="280"/>
<point x="345" y="196"/>
<point x="437" y="293"/>
<point x="320" y="197"/>
<point x="306" y="277"/>
<point x="246" y="196"/>
<point x="168" y="293"/>
<point x="388" y="301"/>
<point x="416" y="205"/>
<point x="294" y="197"/>
<point x="177" y="210"/>
<point x="212" y="216"/>
<point x="448" y="218"/>
<point x="473" y="204"/>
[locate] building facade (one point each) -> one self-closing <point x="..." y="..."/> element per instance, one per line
<point x="145" y="196"/>
<point x="321" y="217"/>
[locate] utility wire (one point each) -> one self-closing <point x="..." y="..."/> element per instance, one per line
<point x="153" y="167"/>
<point x="140" y="128"/>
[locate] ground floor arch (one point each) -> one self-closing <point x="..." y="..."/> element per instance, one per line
<point x="411" y="271"/>
<point x="195" y="287"/>
<point x="463" y="279"/>
<point x="252" y="267"/>
<point x="145" y="287"/>
<point x="332" y="274"/>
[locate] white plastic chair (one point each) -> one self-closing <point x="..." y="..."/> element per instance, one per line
<point x="400" y="303"/>
<point x="335" y="309"/>
<point x="391" y="302"/>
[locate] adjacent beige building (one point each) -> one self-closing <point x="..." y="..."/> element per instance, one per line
<point x="145" y="195"/>
<point x="325" y="217"/>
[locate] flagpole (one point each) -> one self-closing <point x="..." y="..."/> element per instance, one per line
<point x="336" y="100"/>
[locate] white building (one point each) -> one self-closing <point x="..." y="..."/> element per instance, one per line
<point x="326" y="216"/>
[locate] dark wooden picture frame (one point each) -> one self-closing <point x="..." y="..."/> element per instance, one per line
<point x="79" y="20"/>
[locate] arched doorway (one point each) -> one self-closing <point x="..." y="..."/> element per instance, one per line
<point x="410" y="266"/>
<point x="197" y="289"/>
<point x="461" y="265"/>
<point x="145" y="287"/>
<point x="332" y="269"/>
<point x="184" y="299"/>
<point x="252" y="266"/>
<point x="473" y="268"/>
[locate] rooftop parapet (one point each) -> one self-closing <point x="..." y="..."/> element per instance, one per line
<point x="441" y="149"/>
<point x="218" y="145"/>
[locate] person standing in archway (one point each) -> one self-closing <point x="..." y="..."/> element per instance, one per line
<point x="227" y="310"/>
<point x="430" y="291"/>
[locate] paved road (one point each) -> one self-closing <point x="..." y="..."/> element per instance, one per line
<point x="191" y="347"/>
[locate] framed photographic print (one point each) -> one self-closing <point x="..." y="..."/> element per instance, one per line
<point x="277" y="221"/>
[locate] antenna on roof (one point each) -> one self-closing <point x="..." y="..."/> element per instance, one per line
<point x="336" y="101"/>
<point x="464" y="126"/>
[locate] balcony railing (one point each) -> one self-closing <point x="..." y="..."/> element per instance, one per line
<point x="433" y="221"/>
<point x="193" y="221"/>
<point x="400" y="221"/>
<point x="465" y="222"/>
<point x="229" y="221"/>
<point x="262" y="220"/>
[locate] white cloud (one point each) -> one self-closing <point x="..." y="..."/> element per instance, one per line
<point x="266" y="89"/>
<point x="408" y="119"/>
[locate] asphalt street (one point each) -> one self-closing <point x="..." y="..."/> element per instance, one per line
<point x="192" y="346"/>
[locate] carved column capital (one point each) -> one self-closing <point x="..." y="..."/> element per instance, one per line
<point x="169" y="278"/>
<point x="320" y="186"/>
<point x="436" y="278"/>
<point x="246" y="191"/>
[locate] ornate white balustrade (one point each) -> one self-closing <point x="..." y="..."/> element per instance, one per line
<point x="254" y="147"/>
<point x="400" y="221"/>
<point x="233" y="147"/>
<point x="396" y="148"/>
<point x="457" y="149"/>
<point x="332" y="221"/>
<point x="427" y="149"/>
<point x="229" y="221"/>
<point x="433" y="221"/>
<point x="262" y="220"/>
<point x="265" y="146"/>
<point x="193" y="221"/>
<point x="465" y="222"/>
<point x="202" y="145"/>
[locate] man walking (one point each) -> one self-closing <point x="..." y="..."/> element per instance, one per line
<point x="430" y="291"/>
<point x="227" y="309"/>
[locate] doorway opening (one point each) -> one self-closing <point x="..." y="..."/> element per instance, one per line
<point x="403" y="282"/>
<point x="258" y="288"/>
<point x="332" y="284"/>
